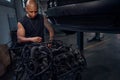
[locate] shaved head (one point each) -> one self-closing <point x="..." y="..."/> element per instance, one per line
<point x="31" y="3"/>
<point x="31" y="8"/>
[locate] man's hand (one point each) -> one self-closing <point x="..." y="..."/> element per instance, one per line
<point x="50" y="43"/>
<point x="36" y="39"/>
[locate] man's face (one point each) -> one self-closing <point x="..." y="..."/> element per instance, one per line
<point x="32" y="11"/>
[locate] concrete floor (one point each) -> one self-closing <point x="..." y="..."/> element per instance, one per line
<point x="103" y="58"/>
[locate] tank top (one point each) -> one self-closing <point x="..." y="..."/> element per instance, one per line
<point x="33" y="27"/>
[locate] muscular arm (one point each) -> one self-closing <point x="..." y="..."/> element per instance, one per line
<point x="49" y="28"/>
<point x="21" y="35"/>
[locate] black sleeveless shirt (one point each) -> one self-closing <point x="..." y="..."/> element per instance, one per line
<point x="33" y="27"/>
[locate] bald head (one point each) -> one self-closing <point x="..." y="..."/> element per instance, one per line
<point x="31" y="3"/>
<point x="31" y="8"/>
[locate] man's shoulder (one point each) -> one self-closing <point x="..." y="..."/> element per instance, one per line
<point x="39" y="15"/>
<point x="23" y="19"/>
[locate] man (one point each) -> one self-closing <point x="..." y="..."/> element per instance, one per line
<point x="31" y="26"/>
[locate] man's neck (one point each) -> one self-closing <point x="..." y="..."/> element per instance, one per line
<point x="27" y="15"/>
